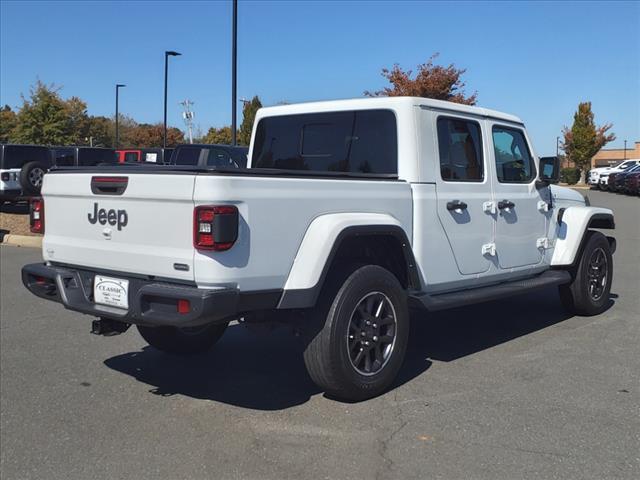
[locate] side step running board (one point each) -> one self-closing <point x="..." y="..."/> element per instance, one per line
<point x="492" y="292"/>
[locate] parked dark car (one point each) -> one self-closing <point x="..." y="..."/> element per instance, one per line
<point x="632" y="183"/>
<point x="83" y="156"/>
<point x="22" y="168"/>
<point x="205" y="155"/>
<point x="617" y="180"/>
<point x="149" y="155"/>
<point x="611" y="185"/>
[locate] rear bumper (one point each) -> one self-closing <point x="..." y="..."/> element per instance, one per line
<point x="10" y="195"/>
<point x="150" y="302"/>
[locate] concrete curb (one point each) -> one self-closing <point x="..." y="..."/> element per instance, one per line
<point x="22" y="241"/>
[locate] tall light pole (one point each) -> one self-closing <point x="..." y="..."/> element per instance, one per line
<point x="167" y="54"/>
<point x="118" y="87"/>
<point x="625" y="150"/>
<point x="234" y="59"/>
<point x="557" y="146"/>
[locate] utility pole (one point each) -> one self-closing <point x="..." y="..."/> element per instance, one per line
<point x="557" y="146"/>
<point x="234" y="61"/>
<point x="625" y="150"/>
<point x="188" y="115"/>
<point x="167" y="54"/>
<point x="117" y="142"/>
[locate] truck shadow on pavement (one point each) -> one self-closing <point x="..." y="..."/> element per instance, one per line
<point x="266" y="372"/>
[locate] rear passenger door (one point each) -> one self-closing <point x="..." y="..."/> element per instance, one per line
<point x="463" y="189"/>
<point x="521" y="219"/>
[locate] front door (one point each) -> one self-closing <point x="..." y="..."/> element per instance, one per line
<point x="521" y="220"/>
<point x="463" y="189"/>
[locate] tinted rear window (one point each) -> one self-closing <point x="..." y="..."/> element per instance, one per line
<point x="131" y="157"/>
<point x="63" y="157"/>
<point x="211" y="156"/>
<point x="361" y="141"/>
<point x="88" y="157"/>
<point x="16" y="156"/>
<point x="186" y="156"/>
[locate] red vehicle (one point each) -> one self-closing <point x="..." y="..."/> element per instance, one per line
<point x="150" y="155"/>
<point x="128" y="156"/>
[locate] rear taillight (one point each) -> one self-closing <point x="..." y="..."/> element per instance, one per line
<point x="36" y="215"/>
<point x="215" y="228"/>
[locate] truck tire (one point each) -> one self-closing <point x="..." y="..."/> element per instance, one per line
<point x="31" y="176"/>
<point x="363" y="336"/>
<point x="183" y="341"/>
<point x="588" y="293"/>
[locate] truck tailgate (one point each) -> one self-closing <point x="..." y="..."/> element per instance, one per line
<point x="147" y="229"/>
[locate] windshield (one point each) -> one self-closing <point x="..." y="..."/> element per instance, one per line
<point x="627" y="164"/>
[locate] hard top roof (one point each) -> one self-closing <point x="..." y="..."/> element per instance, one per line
<point x="384" y="102"/>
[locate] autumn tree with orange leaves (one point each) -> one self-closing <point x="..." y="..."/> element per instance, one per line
<point x="583" y="140"/>
<point x="431" y="81"/>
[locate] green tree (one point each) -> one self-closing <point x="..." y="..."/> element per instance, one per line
<point x="126" y="127"/>
<point x="101" y="132"/>
<point x="431" y="81"/>
<point x="78" y="122"/>
<point x="43" y="118"/>
<point x="218" y="135"/>
<point x="8" y="121"/>
<point x="583" y="140"/>
<point x="249" y="111"/>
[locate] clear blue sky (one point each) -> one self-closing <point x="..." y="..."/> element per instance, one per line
<point x="536" y="60"/>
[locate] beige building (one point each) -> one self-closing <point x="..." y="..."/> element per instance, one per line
<point x="612" y="156"/>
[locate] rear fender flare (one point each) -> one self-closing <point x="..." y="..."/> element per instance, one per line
<point x="319" y="245"/>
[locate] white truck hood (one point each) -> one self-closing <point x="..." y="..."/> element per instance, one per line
<point x="564" y="194"/>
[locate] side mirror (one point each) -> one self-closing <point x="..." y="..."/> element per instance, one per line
<point x="549" y="171"/>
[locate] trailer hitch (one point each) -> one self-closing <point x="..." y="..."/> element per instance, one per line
<point x="108" y="328"/>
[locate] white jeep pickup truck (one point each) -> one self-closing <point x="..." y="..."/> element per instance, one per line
<point x="348" y="214"/>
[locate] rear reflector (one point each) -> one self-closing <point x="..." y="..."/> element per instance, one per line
<point x="36" y="215"/>
<point x="184" y="306"/>
<point x="215" y="227"/>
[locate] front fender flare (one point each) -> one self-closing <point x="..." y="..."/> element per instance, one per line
<point x="572" y="224"/>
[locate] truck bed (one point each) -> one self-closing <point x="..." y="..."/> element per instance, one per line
<point x="275" y="209"/>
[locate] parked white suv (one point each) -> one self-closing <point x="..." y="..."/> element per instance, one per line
<point x="349" y="213"/>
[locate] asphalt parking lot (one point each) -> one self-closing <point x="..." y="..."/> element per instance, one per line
<point x="504" y="390"/>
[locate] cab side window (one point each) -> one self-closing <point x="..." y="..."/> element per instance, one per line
<point x="514" y="163"/>
<point x="460" y="148"/>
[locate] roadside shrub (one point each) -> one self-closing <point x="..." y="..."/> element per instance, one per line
<point x="570" y="175"/>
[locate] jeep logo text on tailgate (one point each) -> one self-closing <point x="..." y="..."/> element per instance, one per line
<point x="113" y="217"/>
